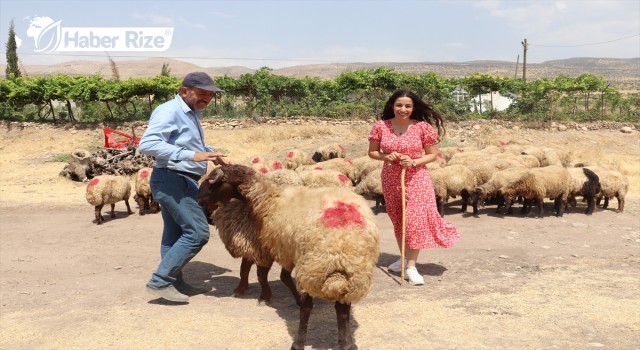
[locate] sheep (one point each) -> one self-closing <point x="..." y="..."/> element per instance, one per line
<point x="364" y="165"/>
<point x="260" y="167"/>
<point x="539" y="183"/>
<point x="613" y="184"/>
<point x="143" y="195"/>
<point x="108" y="189"/>
<point x="370" y="187"/>
<point x="452" y="181"/>
<point x="241" y="238"/>
<point x="295" y="158"/>
<point x="285" y="177"/>
<point x="584" y="183"/>
<point x="327" y="236"/>
<point x="330" y="151"/>
<point x="271" y="164"/>
<point x="494" y="187"/>
<point x="324" y="178"/>
<point x="342" y="165"/>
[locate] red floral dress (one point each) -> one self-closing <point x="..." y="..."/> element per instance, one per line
<point x="424" y="226"/>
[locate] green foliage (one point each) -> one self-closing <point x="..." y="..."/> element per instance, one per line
<point x="12" y="69"/>
<point x="353" y="94"/>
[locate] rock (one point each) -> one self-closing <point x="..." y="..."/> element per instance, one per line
<point x="626" y="129"/>
<point x="562" y="127"/>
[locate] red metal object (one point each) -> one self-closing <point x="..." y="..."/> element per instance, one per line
<point x="112" y="141"/>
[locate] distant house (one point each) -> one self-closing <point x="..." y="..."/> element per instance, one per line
<point x="484" y="102"/>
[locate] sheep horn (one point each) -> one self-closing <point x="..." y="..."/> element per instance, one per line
<point x="216" y="176"/>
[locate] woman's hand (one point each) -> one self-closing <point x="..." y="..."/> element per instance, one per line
<point x="406" y="161"/>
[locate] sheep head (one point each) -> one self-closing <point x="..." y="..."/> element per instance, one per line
<point x="220" y="186"/>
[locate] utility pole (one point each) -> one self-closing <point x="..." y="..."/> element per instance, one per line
<point x="524" y="60"/>
<point x="515" y="76"/>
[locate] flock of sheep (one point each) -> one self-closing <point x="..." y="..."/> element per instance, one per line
<point x="308" y="212"/>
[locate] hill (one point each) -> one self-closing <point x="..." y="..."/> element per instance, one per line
<point x="622" y="73"/>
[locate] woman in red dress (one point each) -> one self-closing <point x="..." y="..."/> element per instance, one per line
<point x="406" y="138"/>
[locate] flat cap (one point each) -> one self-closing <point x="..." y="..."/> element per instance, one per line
<point x="200" y="80"/>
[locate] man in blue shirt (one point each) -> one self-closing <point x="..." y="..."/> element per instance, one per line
<point x="174" y="137"/>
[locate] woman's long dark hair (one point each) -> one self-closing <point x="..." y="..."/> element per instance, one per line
<point x="422" y="111"/>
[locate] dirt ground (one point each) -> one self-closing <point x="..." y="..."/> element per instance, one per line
<point x="509" y="283"/>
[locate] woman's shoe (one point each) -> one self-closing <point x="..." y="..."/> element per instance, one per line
<point x="413" y="276"/>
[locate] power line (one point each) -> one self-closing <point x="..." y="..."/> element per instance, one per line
<point x="589" y="44"/>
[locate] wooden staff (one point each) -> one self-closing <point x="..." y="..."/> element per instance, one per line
<point x="404" y="223"/>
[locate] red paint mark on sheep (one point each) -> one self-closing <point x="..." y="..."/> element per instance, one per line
<point x="94" y="182"/>
<point x="290" y="154"/>
<point x="144" y="174"/>
<point x="459" y="149"/>
<point x="277" y="165"/>
<point x="317" y="168"/>
<point x="264" y="170"/>
<point x="342" y="148"/>
<point x="255" y="160"/>
<point x="347" y="160"/>
<point x="343" y="178"/>
<point x="341" y="215"/>
<point x="440" y="155"/>
<point x="502" y="143"/>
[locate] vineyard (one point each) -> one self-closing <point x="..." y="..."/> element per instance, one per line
<point x="355" y="94"/>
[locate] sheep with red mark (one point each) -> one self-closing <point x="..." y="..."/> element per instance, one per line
<point x="270" y="164"/>
<point x="342" y="165"/>
<point x="324" y="178"/>
<point x="108" y="189"/>
<point x="330" y="151"/>
<point x="331" y="245"/>
<point x="295" y="158"/>
<point x="143" y="195"/>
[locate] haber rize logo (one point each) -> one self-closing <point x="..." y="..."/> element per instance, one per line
<point x="50" y="35"/>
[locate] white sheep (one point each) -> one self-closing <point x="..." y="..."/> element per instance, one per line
<point x="452" y="181"/>
<point x="143" y="195"/>
<point x="330" y="151"/>
<point x="324" y="178"/>
<point x="370" y="187"/>
<point x="285" y="177"/>
<point x="342" y="165"/>
<point x="327" y="237"/>
<point x="108" y="189"/>
<point x="364" y="165"/>
<point x="613" y="184"/>
<point x="295" y="158"/>
<point x="494" y="187"/>
<point x="539" y="183"/>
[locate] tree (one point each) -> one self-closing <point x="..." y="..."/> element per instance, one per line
<point x="166" y="71"/>
<point x="12" y="54"/>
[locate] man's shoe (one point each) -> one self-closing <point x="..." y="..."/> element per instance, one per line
<point x="188" y="289"/>
<point x="396" y="266"/>
<point x="169" y="293"/>
<point x="413" y="276"/>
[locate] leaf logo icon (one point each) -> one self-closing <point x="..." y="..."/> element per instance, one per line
<point x="49" y="38"/>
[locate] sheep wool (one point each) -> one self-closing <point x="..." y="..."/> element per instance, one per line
<point x="108" y="189"/>
<point x="143" y="195"/>
<point x="296" y="158"/>
<point x="330" y="151"/>
<point x="327" y="237"/>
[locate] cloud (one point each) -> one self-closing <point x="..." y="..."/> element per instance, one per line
<point x="152" y="18"/>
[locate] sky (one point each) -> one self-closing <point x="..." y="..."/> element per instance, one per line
<point x="279" y="34"/>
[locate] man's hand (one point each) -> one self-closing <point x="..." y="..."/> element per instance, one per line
<point x="215" y="157"/>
